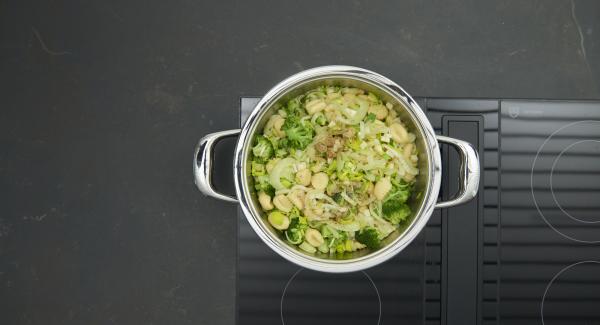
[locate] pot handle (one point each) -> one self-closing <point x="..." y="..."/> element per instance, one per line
<point x="203" y="161"/>
<point x="469" y="172"/>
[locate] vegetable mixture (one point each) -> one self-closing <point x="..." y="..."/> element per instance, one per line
<point x="334" y="169"/>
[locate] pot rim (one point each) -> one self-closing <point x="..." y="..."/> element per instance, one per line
<point x="253" y="215"/>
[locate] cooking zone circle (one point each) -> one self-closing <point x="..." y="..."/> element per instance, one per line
<point x="316" y="298"/>
<point x="579" y="280"/>
<point x="565" y="181"/>
<point x="590" y="195"/>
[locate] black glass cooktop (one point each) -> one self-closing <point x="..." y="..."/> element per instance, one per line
<point x="525" y="251"/>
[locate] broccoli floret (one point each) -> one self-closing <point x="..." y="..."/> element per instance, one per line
<point x="258" y="169"/>
<point x="335" y="240"/>
<point x="295" y="213"/>
<point x="395" y="211"/>
<point x="394" y="208"/>
<point x="321" y="120"/>
<point x="261" y="183"/>
<point x="280" y="153"/>
<point x="263" y="149"/>
<point x="369" y="237"/>
<point x="338" y="198"/>
<point x="298" y="225"/>
<point x="400" y="192"/>
<point x="280" y="146"/>
<point x="370" y="117"/>
<point x="299" y="133"/>
<point x="294" y="107"/>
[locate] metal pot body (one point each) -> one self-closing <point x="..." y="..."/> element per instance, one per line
<point x="428" y="180"/>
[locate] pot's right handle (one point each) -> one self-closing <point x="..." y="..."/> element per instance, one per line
<point x="469" y="172"/>
<point x="203" y="160"/>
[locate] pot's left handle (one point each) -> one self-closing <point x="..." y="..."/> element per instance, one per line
<point x="203" y="161"/>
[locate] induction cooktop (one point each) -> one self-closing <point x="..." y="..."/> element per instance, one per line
<point x="526" y="250"/>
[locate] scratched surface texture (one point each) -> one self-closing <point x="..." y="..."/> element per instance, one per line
<point x="102" y="103"/>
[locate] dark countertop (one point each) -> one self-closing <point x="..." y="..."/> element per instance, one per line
<point x="103" y="102"/>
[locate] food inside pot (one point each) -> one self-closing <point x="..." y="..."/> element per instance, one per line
<point x="334" y="170"/>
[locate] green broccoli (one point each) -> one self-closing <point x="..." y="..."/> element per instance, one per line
<point x="394" y="208"/>
<point x="338" y="198"/>
<point x="321" y="120"/>
<point x="294" y="107"/>
<point x="299" y="133"/>
<point x="280" y="153"/>
<point x="400" y="192"/>
<point x="298" y="225"/>
<point x="295" y="213"/>
<point x="395" y="211"/>
<point x="335" y="240"/>
<point x="280" y="149"/>
<point x="370" y="117"/>
<point x="261" y="184"/>
<point x="263" y="149"/>
<point x="369" y="237"/>
<point x="258" y="169"/>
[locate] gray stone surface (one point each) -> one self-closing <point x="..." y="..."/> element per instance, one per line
<point x="103" y="102"/>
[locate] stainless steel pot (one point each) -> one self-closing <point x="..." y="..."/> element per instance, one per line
<point x="428" y="181"/>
